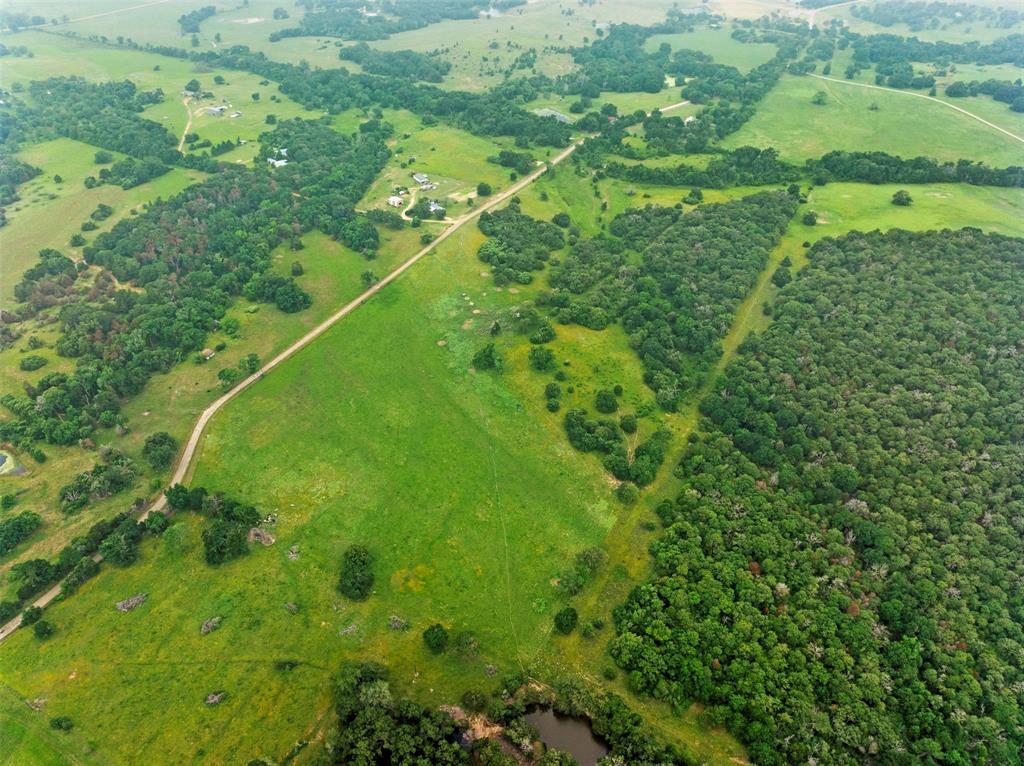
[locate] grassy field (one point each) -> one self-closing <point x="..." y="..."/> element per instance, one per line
<point x="788" y="121"/>
<point x="28" y="739"/>
<point x="454" y="159"/>
<point x="538" y="25"/>
<point x="56" y="56"/>
<point x="720" y="44"/>
<point x="50" y="212"/>
<point x="948" y="30"/>
<point x="469" y="505"/>
<point x="172" y="402"/>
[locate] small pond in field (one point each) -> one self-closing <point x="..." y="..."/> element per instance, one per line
<point x="570" y="735"/>
<point x="8" y="466"/>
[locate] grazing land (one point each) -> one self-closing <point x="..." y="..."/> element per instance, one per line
<point x="901" y="125"/>
<point x="544" y="463"/>
<point x="720" y="43"/>
<point x="49" y="212"/>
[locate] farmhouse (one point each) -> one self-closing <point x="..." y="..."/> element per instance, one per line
<point x="395" y="201"/>
<point x="421" y="178"/>
<point x="215" y="111"/>
<point x="436" y="207"/>
<point x="279" y="158"/>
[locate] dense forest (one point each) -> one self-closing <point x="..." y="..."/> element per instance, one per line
<point x="677" y="304"/>
<point x="13" y="173"/>
<point x="409" y="65"/>
<point x="517" y="244"/>
<point x="840" y="575"/>
<point x="184" y="260"/>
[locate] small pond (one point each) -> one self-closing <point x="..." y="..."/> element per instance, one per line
<point x="570" y="735"/>
<point x="8" y="466"/>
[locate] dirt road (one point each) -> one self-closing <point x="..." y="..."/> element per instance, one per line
<point x="188" y="125"/>
<point x="192" y="445"/>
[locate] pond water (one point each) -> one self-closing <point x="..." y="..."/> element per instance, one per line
<point x="8" y="466"/>
<point x="570" y="735"/>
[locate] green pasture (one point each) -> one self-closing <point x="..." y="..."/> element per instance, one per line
<point x="48" y="212"/>
<point x="376" y="434"/>
<point x="173" y="402"/>
<point x="948" y="30"/>
<point x="28" y="739"/>
<point x="902" y="124"/>
<point x="454" y="159"/>
<point x="984" y="106"/>
<point x="720" y="44"/>
<point x="56" y="56"/>
<point x="540" y="25"/>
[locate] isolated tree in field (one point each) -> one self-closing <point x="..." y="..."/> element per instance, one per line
<point x="810" y="218"/>
<point x="224" y="540"/>
<point x="483" y="189"/>
<point x="542" y="359"/>
<point x="160" y="449"/>
<point x="369" y="279"/>
<point x="191" y="86"/>
<point x="43" y="629"/>
<point x="820" y="98"/>
<point x="487" y="358"/>
<point x="606" y="402"/>
<point x="902" y="198"/>
<point x="565" y="620"/>
<point x="62" y="723"/>
<point x="561" y="219"/>
<point x="436" y="638"/>
<point x="356" y="573"/>
<point x="782" y="277"/>
<point x="103" y="157"/>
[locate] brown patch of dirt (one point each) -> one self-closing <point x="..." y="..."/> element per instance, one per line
<point x="467" y="324"/>
<point x="261" y="536"/>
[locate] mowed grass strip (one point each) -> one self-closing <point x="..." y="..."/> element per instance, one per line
<point x="902" y="124"/>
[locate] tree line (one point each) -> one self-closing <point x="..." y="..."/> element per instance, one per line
<point x="839" y="576"/>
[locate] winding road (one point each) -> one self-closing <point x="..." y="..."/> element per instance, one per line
<point x="814" y="11"/>
<point x="192" y="445"/>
